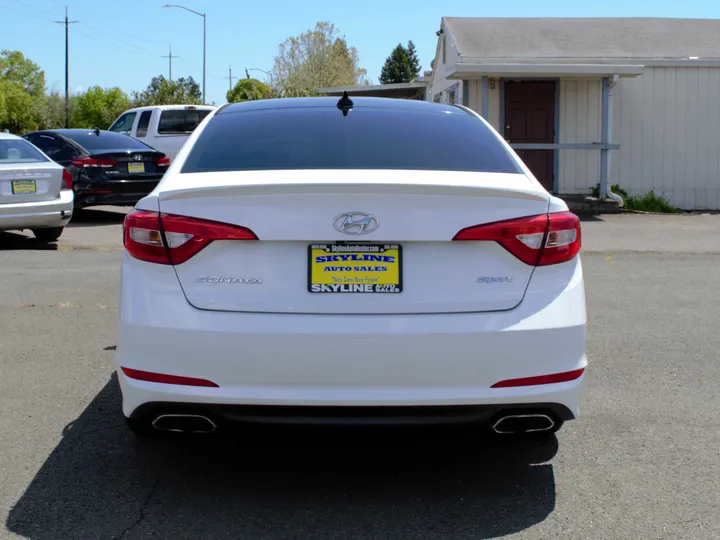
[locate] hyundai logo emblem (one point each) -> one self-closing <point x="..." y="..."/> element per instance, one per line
<point x="355" y="223"/>
<point x="137" y="157"/>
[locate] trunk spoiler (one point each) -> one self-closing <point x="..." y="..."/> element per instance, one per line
<point x="224" y="184"/>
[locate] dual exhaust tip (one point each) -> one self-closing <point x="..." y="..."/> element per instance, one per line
<point x="523" y="423"/>
<point x="506" y="424"/>
<point x="184" y="423"/>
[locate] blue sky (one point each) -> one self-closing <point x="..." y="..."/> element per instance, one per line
<point x="121" y="42"/>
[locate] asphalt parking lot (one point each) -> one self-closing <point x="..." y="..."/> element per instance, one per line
<point x="643" y="460"/>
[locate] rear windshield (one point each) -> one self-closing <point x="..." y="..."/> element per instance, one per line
<point x="105" y="141"/>
<point x="19" y="151"/>
<point x="367" y="138"/>
<point x="184" y="121"/>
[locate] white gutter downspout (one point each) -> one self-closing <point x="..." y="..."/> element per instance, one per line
<point x="605" y="156"/>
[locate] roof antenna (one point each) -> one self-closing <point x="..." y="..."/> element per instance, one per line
<point x="345" y="104"/>
<point x="97" y="131"/>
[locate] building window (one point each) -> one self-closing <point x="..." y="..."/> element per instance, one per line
<point x="437" y="98"/>
<point x="451" y="97"/>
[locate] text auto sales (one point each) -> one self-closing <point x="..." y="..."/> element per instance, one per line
<point x="354" y="257"/>
<point x="354" y="287"/>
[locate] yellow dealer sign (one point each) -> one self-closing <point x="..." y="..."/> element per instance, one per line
<point x="355" y="268"/>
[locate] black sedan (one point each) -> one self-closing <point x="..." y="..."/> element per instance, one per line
<point x="107" y="168"/>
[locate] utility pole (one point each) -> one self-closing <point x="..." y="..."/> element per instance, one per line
<point x="170" y="57"/>
<point x="67" y="24"/>
<point x="230" y="77"/>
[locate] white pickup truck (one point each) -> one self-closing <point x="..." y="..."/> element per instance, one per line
<point x="163" y="127"/>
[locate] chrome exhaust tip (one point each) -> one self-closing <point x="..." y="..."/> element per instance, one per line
<point x="523" y="423"/>
<point x="184" y="423"/>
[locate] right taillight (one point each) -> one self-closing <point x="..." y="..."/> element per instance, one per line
<point x="171" y="239"/>
<point x="563" y="240"/>
<point x="535" y="240"/>
<point x="66" y="180"/>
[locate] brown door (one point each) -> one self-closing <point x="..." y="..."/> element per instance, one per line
<point x="530" y="118"/>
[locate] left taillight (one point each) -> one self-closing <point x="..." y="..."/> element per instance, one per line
<point x="88" y="162"/>
<point x="535" y="240"/>
<point x="66" y="180"/>
<point x="171" y="239"/>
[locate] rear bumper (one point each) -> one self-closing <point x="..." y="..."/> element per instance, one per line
<point x="117" y="193"/>
<point x="37" y="215"/>
<point x="234" y="416"/>
<point x="350" y="361"/>
<point x="108" y="199"/>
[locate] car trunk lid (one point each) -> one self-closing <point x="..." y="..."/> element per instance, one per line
<point x="122" y="165"/>
<point x="29" y="182"/>
<point x="303" y="262"/>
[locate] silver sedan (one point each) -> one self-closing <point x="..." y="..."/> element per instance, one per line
<point x="35" y="192"/>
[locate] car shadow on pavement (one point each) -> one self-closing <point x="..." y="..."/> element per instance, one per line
<point x="92" y="217"/>
<point x="11" y="241"/>
<point x="589" y="217"/>
<point x="101" y="482"/>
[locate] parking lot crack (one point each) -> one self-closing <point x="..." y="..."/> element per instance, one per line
<point x="143" y="511"/>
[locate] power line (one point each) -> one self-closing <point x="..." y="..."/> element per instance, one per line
<point x="105" y="27"/>
<point x="35" y="8"/>
<point x="115" y="46"/>
<point x="170" y="57"/>
<point x="103" y="22"/>
<point x="67" y="24"/>
<point x="56" y="2"/>
<point x="117" y="40"/>
<point x="32" y="15"/>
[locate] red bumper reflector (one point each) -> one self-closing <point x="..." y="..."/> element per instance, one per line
<point x="541" y="379"/>
<point x="166" y="379"/>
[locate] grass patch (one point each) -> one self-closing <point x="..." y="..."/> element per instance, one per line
<point x="650" y="202"/>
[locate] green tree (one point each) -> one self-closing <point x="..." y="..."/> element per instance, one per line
<point x="22" y="92"/>
<point x="52" y="114"/>
<point x="315" y="59"/>
<point x="99" y="107"/>
<point x="414" y="60"/>
<point x="161" y="91"/>
<point x="249" y="90"/>
<point x="14" y="67"/>
<point x="19" y="112"/>
<point x="401" y="66"/>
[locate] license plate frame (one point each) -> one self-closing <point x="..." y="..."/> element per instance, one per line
<point x="136" y="168"/>
<point x="24" y="187"/>
<point x="377" y="275"/>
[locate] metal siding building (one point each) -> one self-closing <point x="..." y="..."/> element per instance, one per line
<point x="667" y="123"/>
<point x="646" y="111"/>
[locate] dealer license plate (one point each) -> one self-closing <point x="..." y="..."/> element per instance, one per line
<point x="136" y="167"/>
<point x="355" y="268"/>
<point x="23" y="187"/>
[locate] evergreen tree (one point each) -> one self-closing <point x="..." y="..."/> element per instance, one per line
<point x="401" y="66"/>
<point x="414" y="60"/>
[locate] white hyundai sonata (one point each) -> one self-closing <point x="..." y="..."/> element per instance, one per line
<point x="371" y="262"/>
